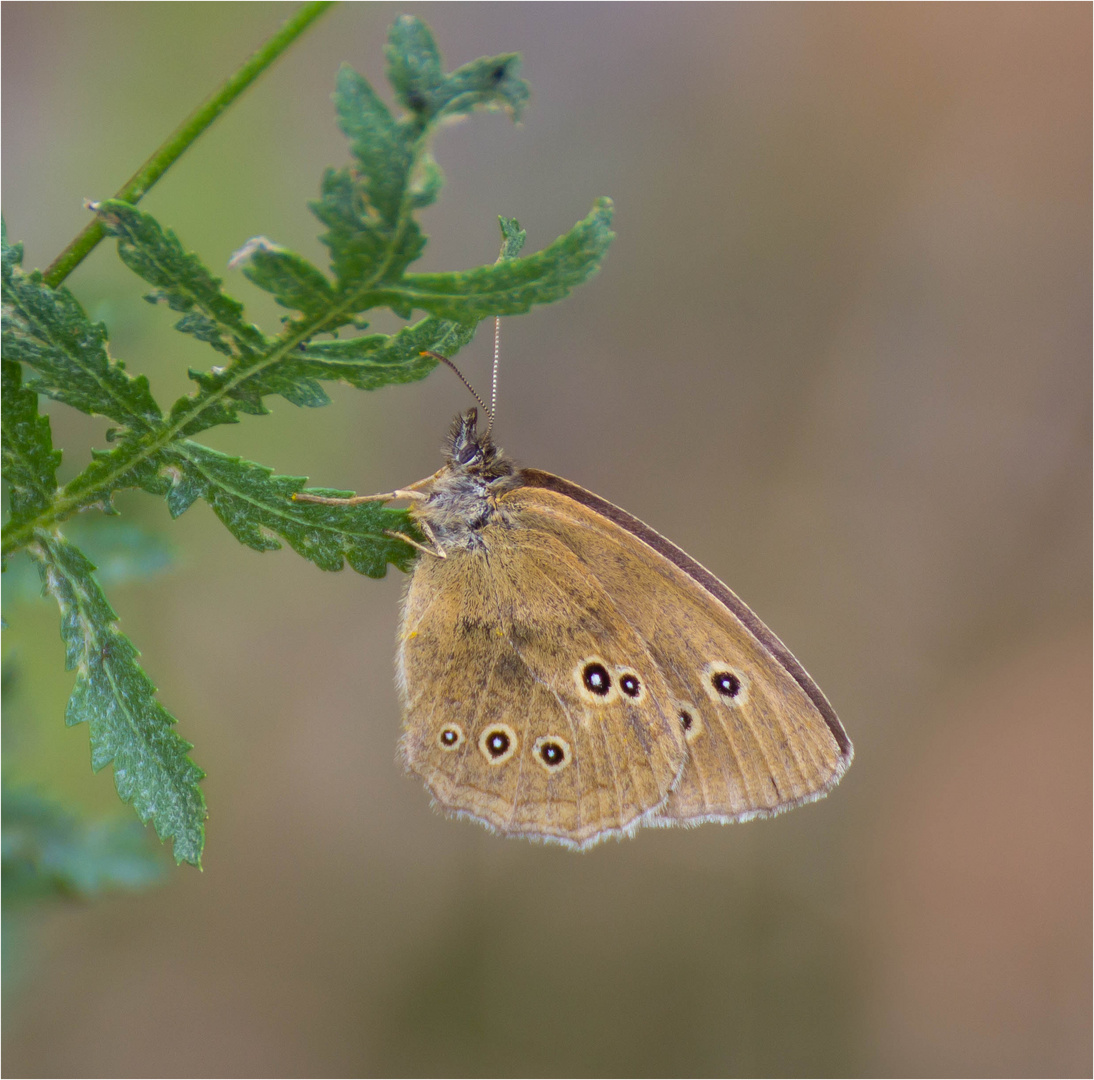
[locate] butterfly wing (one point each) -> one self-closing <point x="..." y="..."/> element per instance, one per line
<point x="761" y="737"/>
<point x="509" y="665"/>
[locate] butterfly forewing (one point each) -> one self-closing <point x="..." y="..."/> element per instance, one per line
<point x="760" y="736"/>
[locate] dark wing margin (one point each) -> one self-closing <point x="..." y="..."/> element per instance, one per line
<point x="537" y="478"/>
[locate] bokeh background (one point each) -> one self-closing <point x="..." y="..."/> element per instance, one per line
<point x="840" y="351"/>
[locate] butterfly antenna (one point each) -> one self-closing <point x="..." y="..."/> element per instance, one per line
<point x="494" y="380"/>
<point x="459" y="375"/>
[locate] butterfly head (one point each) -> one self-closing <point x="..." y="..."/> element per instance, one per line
<point x="470" y="452"/>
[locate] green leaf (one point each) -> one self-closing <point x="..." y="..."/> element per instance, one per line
<point x="414" y="65"/>
<point x="371" y="233"/>
<point x="363" y="247"/>
<point x="414" y="70"/>
<point x="374" y="360"/>
<point x="181" y="280"/>
<point x="257" y="507"/>
<point x="512" y="238"/>
<point x="50" y="851"/>
<point x="116" y="699"/>
<point x="383" y="152"/>
<point x="491" y="82"/>
<point x="510" y="286"/>
<point x="47" y="330"/>
<point x="425" y="183"/>
<point x="294" y="282"/>
<point x="29" y="460"/>
<point x="366" y="362"/>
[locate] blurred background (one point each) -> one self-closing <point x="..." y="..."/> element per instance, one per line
<point x="840" y="352"/>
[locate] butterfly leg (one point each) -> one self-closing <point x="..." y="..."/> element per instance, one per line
<point x="387" y="496"/>
<point x="411" y="491"/>
<point x="425" y="527"/>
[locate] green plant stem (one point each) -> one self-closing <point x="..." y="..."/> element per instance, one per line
<point x="185" y="134"/>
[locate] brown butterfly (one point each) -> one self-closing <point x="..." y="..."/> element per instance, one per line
<point x="568" y="674"/>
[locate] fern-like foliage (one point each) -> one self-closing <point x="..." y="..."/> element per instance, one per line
<point x="369" y="216"/>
